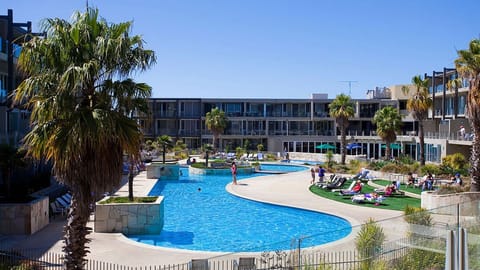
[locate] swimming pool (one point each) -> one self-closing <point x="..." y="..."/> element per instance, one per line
<point x="201" y="215"/>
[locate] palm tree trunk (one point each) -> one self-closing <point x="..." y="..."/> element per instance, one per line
<point x="163" y="154"/>
<point x="213" y="143"/>
<point x="130" y="180"/>
<point x="421" y="138"/>
<point x="387" y="150"/>
<point x="343" y="140"/>
<point x="76" y="232"/>
<point x="475" y="156"/>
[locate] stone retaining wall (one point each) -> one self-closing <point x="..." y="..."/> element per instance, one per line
<point x="447" y="203"/>
<point x="129" y="218"/>
<point x="24" y="218"/>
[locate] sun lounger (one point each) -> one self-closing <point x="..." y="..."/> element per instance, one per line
<point x="335" y="184"/>
<point x="56" y="209"/>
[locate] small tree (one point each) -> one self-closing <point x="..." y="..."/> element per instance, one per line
<point x="166" y="143"/>
<point x="388" y="121"/>
<point x="368" y="242"/>
<point x="342" y="108"/>
<point x="239" y="151"/>
<point x="329" y="157"/>
<point x="246" y="145"/>
<point x="260" y="147"/>
<point x="216" y="122"/>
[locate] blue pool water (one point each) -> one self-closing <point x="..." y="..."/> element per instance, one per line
<point x="214" y="220"/>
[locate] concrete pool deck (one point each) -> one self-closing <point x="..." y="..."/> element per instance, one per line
<point x="290" y="189"/>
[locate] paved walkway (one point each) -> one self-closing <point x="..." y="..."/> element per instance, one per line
<point x="286" y="189"/>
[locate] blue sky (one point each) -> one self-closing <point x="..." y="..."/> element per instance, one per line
<point x="282" y="48"/>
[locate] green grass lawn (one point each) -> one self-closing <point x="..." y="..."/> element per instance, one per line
<point x="397" y="202"/>
<point x="402" y="187"/>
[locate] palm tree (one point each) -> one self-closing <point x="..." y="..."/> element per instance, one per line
<point x="10" y="158"/>
<point x="418" y="104"/>
<point x="166" y="143"/>
<point x="342" y="108"/>
<point x="71" y="88"/>
<point x="388" y="121"/>
<point x="468" y="66"/>
<point x="216" y="122"/>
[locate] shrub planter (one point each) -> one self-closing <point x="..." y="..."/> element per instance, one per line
<point x="129" y="218"/>
<point x="24" y="218"/>
<point x="447" y="203"/>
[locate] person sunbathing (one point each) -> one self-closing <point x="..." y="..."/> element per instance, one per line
<point x="371" y="197"/>
<point x="354" y="190"/>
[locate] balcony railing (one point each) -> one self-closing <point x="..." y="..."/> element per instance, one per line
<point x="449" y="136"/>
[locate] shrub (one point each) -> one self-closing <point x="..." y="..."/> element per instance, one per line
<point x="198" y="165"/>
<point x="377" y="165"/>
<point x="356" y="166"/>
<point x="368" y="242"/>
<point x="260" y="147"/>
<point x="456" y="161"/>
<point x="329" y="157"/>
<point x="420" y="259"/>
<point x="450" y="189"/>
<point x="126" y="200"/>
<point x="239" y="151"/>
<point x="396" y="167"/>
<point x="271" y="157"/>
<point x="406" y="160"/>
<point x="419" y="216"/>
<point x="430" y="168"/>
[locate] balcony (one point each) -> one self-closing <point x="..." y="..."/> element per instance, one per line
<point x="189" y="133"/>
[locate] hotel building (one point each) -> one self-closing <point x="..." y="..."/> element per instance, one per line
<point x="300" y="125"/>
<point x="14" y="122"/>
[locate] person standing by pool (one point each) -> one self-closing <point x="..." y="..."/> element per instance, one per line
<point x="234" y="173"/>
<point x="312" y="171"/>
<point x="321" y="173"/>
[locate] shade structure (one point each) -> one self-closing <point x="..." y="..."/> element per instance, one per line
<point x="326" y="146"/>
<point x="394" y="146"/>
<point x="352" y="146"/>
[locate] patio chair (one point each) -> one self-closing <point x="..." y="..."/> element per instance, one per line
<point x="199" y="264"/>
<point x="336" y="184"/>
<point x="56" y="209"/>
<point x="246" y="263"/>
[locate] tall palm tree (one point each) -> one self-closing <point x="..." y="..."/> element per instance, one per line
<point x="166" y="143"/>
<point x="388" y="121"/>
<point x="468" y="66"/>
<point x="418" y="104"/>
<point x="216" y="122"/>
<point x="342" y="109"/>
<point x="71" y="88"/>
